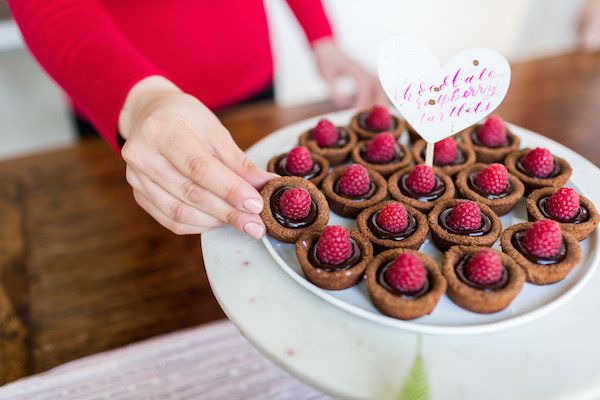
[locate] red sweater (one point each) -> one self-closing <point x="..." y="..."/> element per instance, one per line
<point x="96" y="50"/>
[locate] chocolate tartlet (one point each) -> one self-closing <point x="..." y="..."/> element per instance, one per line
<point x="486" y="154"/>
<point x="465" y="156"/>
<point x="560" y="175"/>
<point x="347" y="206"/>
<point x="333" y="277"/>
<point x="445" y="237"/>
<point x="411" y="238"/>
<point x="336" y="154"/>
<point x="444" y="189"/>
<point x="358" y="125"/>
<point x="404" y="305"/>
<point x="285" y="229"/>
<point x="402" y="159"/>
<point x="474" y="296"/>
<point x="501" y="203"/>
<point x="581" y="226"/>
<point x="538" y="270"/>
<point x="318" y="172"/>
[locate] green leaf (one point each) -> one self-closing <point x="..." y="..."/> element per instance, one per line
<point x="416" y="384"/>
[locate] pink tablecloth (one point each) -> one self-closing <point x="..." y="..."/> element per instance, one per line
<point x="209" y="362"/>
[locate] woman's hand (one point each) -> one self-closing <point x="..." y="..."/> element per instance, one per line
<point x="333" y="63"/>
<point x="183" y="165"/>
<point x="589" y="26"/>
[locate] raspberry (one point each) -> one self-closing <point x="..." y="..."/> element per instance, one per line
<point x="485" y="267"/>
<point x="493" y="179"/>
<point x="294" y="204"/>
<point x="334" y="246"/>
<point x="393" y="217"/>
<point x="382" y="148"/>
<point x="421" y="179"/>
<point x="444" y="152"/>
<point x="325" y="133"/>
<point x="407" y="274"/>
<point x="465" y="216"/>
<point x="493" y="132"/>
<point x="354" y="181"/>
<point x="563" y="205"/>
<point x="539" y="162"/>
<point x="379" y="118"/>
<point x="299" y="161"/>
<point x="543" y="239"/>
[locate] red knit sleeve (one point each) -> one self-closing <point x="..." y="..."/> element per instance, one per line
<point x="312" y="17"/>
<point x="79" y="46"/>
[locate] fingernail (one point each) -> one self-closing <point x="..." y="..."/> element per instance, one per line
<point x="255" y="230"/>
<point x="253" y="205"/>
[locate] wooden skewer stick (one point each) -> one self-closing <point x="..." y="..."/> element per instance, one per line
<point x="429" y="154"/>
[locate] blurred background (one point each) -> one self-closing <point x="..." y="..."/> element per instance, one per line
<point x="34" y="115"/>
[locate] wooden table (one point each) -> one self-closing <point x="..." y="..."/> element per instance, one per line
<point x="83" y="269"/>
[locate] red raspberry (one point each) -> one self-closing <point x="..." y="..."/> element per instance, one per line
<point x="382" y="148"/>
<point x="543" y="239"/>
<point x="299" y="161"/>
<point x="444" y="152"/>
<point x="485" y="267"/>
<point x="393" y="217"/>
<point x="334" y="246"/>
<point x="421" y="179"/>
<point x="493" y="132"/>
<point x="295" y="203"/>
<point x="407" y="274"/>
<point x="563" y="205"/>
<point x="354" y="181"/>
<point x="465" y="216"/>
<point x="325" y="133"/>
<point x="379" y="118"/>
<point x="539" y="162"/>
<point x="493" y="179"/>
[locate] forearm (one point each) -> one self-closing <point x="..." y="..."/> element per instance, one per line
<point x="79" y="46"/>
<point x="313" y="19"/>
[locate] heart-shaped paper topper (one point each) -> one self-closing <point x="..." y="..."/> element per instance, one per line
<point x="440" y="101"/>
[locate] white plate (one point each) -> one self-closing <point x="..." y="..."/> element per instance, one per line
<point x="447" y="318"/>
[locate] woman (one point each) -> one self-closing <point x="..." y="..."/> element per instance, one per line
<point x="151" y="71"/>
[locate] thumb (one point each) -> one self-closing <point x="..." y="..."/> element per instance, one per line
<point x="235" y="159"/>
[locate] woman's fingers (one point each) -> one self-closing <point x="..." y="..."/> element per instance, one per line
<point x="183" y="201"/>
<point x="163" y="219"/>
<point x="234" y="158"/>
<point x="194" y="160"/>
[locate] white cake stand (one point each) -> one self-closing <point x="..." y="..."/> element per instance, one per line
<point x="554" y="357"/>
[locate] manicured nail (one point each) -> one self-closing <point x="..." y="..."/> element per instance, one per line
<point x="253" y="205"/>
<point x="255" y="230"/>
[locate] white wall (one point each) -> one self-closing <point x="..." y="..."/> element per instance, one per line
<point x="520" y="29"/>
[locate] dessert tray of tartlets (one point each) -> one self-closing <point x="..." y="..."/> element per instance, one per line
<point x="495" y="234"/>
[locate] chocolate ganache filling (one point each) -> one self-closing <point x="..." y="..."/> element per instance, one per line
<point x="555" y="170"/>
<point x="484" y="228"/>
<point x="460" y="268"/>
<point x="362" y="122"/>
<point x="473" y="185"/>
<point x="475" y="140"/>
<point x="405" y="295"/>
<point x="349" y="263"/>
<point x="438" y="189"/>
<point x="284" y="221"/>
<point x="280" y="169"/>
<point x="517" y="242"/>
<point x="367" y="195"/>
<point x="382" y="233"/>
<point x="460" y="158"/>
<point x="582" y="215"/>
<point x="342" y="139"/>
